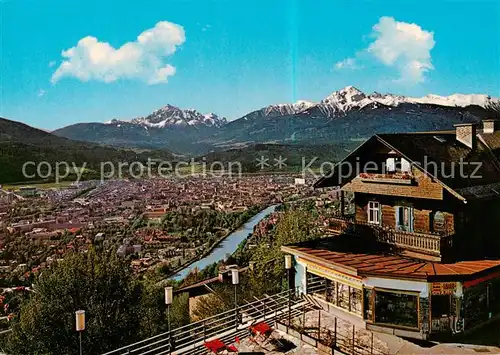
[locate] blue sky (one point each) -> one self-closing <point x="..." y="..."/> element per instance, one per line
<point x="231" y="56"/>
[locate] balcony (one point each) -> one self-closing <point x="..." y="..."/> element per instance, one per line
<point x="428" y="244"/>
<point x="391" y="178"/>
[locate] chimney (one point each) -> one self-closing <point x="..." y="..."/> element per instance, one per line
<point x="489" y="126"/>
<point x="466" y="134"/>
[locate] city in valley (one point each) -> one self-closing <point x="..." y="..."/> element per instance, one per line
<point x="154" y="224"/>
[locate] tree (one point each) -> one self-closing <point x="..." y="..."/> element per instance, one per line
<point x="100" y="284"/>
<point x="152" y="314"/>
<point x="268" y="275"/>
<point x="293" y="226"/>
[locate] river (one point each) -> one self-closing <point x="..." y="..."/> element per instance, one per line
<point x="228" y="245"/>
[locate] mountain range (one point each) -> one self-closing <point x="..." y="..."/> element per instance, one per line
<point x="174" y="116"/>
<point x="20" y="143"/>
<point x="344" y="116"/>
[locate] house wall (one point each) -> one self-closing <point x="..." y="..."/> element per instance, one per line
<point x="422" y="212"/>
<point x="476" y="225"/>
<point x="480" y="303"/>
<point x="423" y="187"/>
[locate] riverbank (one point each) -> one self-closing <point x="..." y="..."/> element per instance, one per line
<point x="213" y="246"/>
<point x="204" y="254"/>
<point x="225" y="245"/>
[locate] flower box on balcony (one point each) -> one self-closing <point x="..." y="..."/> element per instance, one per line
<point x="396" y="178"/>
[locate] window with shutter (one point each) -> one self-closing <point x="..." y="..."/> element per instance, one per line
<point x="390" y="165"/>
<point x="404" y="218"/>
<point x="373" y="212"/>
<point x="438" y="222"/>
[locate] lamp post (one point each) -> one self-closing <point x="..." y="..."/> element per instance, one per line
<point x="235" y="277"/>
<point x="288" y="267"/>
<point x="169" y="297"/>
<point x="80" y="325"/>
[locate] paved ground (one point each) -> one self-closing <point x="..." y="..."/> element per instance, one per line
<point x="383" y="343"/>
<point x="399" y="346"/>
<point x="247" y="345"/>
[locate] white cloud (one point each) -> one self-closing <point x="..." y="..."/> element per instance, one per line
<point x="142" y="59"/>
<point x="348" y="63"/>
<point x="41" y="92"/>
<point x="405" y="46"/>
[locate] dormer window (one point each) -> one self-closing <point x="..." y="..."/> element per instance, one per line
<point x="390" y="165"/>
<point x="397" y="165"/>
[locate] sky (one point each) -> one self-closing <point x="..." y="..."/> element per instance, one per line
<point x="63" y="62"/>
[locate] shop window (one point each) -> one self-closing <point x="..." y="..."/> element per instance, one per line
<point x="367" y="304"/>
<point x="331" y="291"/>
<point x="396" y="308"/>
<point x="356" y="302"/>
<point x="336" y="293"/>
<point x="316" y="285"/>
<point x="343" y="296"/>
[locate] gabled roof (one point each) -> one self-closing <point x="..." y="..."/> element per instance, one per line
<point x="438" y="154"/>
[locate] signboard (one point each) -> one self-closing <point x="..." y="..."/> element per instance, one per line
<point x="334" y="275"/>
<point x="443" y="288"/>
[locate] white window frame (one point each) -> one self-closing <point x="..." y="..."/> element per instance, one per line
<point x="374" y="206"/>
<point x="390" y="165"/>
<point x="397" y="165"/>
<point x="405" y="166"/>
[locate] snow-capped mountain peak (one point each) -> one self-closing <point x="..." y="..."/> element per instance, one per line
<point x="350" y="98"/>
<point x="347" y="98"/>
<point x="459" y="100"/>
<point x="286" y="109"/>
<point x="338" y="103"/>
<point x="344" y="100"/>
<point x="170" y="115"/>
<point x="301" y="105"/>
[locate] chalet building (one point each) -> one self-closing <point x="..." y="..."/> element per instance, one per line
<point x="417" y="250"/>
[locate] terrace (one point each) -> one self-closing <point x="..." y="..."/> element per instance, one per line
<point x="292" y="319"/>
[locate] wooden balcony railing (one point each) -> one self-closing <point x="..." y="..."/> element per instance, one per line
<point x="427" y="243"/>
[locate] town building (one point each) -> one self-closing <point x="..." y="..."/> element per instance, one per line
<point x="417" y="254"/>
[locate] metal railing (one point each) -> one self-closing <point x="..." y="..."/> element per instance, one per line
<point x="190" y="337"/>
<point x="340" y="336"/>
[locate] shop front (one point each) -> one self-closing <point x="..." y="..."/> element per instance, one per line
<point x="445" y="306"/>
<point x="416" y="299"/>
<point x="338" y="289"/>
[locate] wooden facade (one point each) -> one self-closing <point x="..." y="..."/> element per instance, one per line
<point x="463" y="230"/>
